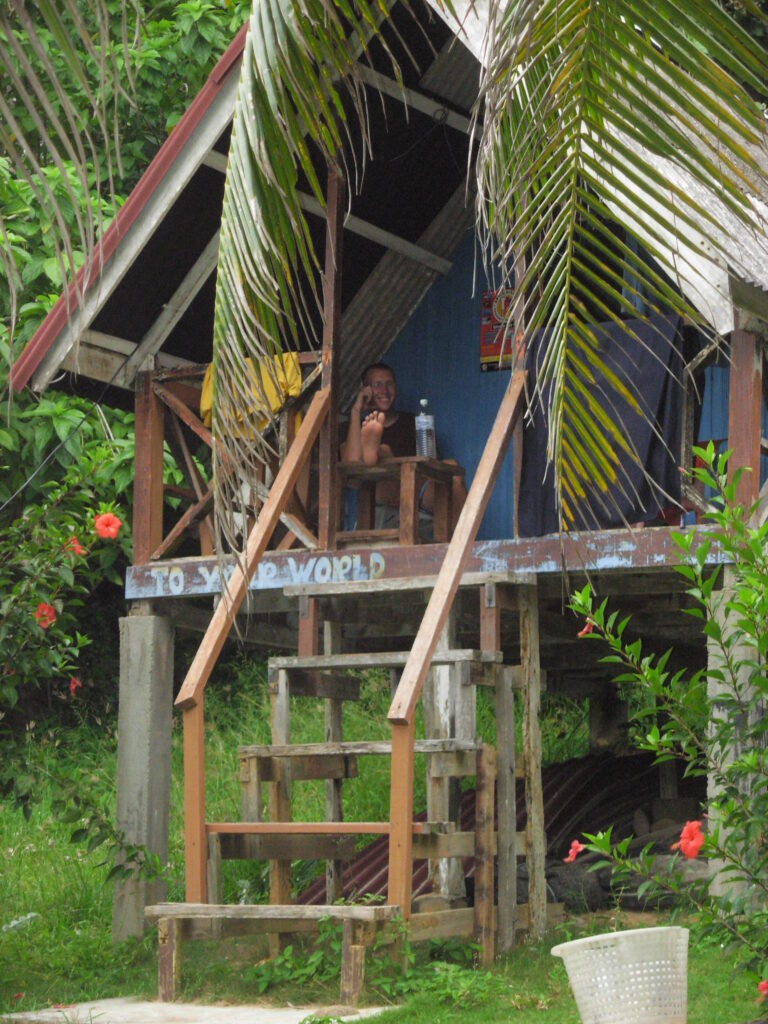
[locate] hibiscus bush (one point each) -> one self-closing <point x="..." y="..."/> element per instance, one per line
<point x="712" y="719"/>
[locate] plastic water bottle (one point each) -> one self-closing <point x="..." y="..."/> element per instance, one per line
<point x="425" y="432"/>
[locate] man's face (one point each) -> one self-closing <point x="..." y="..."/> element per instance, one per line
<point x="383" y="388"/>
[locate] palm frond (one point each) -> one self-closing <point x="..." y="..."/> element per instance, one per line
<point x="56" y="114"/>
<point x="298" y="88"/>
<point x="609" y="129"/>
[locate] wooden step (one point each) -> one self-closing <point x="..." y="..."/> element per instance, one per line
<point x="321" y="828"/>
<point x="271" y="911"/>
<point x="380" y="747"/>
<point x="356" y="588"/>
<point x="385" y="659"/>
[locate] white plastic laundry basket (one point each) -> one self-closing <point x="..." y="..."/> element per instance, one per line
<point x="633" y="977"/>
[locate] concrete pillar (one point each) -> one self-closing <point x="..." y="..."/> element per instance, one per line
<point x="143" y="757"/>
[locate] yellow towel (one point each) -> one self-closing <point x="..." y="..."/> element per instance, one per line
<point x="275" y="384"/>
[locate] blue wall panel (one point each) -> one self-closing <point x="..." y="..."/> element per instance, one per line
<point x="437" y="357"/>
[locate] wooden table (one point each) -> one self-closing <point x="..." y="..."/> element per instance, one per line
<point x="411" y="472"/>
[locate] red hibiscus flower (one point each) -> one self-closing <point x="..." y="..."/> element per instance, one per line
<point x="691" y="840"/>
<point x="587" y="629"/>
<point x="74" y="686"/>
<point x="762" y="989"/>
<point x="573" y="853"/>
<point x="74" y="545"/>
<point x="107" y="525"/>
<point x="45" y="615"/>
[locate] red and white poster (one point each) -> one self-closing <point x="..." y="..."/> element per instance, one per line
<point x="496" y="348"/>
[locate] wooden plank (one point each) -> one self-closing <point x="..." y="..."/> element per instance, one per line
<point x="330" y="685"/>
<point x="484" y="860"/>
<point x="506" y="794"/>
<point x="186" y="463"/>
<point x="384" y="238"/>
<point x="331" y="360"/>
<point x="434" y="108"/>
<point x="442" y="924"/>
<point x="353" y="589"/>
<point x="490" y="618"/>
<point x="745" y="402"/>
<point x="195" y="846"/>
<point x="361" y="747"/>
<point x="454" y="765"/>
<point x="384" y="659"/>
<point x="612" y="553"/>
<point x="288" y="828"/>
<point x="184" y="413"/>
<point x="221" y="621"/>
<point x="317" y="766"/>
<point x="404" y="704"/>
<point x="214" y="887"/>
<point x="267" y="912"/>
<point x="285" y="847"/>
<point x="195" y="515"/>
<point x="148" y="471"/>
<point x="534" y="799"/>
<point x="455" y="844"/>
<point x="401" y="818"/>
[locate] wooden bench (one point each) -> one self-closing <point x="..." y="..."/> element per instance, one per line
<point x="177" y="922"/>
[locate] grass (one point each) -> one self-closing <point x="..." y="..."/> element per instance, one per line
<point x="64" y="953"/>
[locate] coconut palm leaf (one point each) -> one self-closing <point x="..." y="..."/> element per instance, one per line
<point x="609" y="129"/>
<point x="298" y="88"/>
<point x="55" y="114"/>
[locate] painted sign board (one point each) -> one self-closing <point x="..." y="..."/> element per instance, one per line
<point x="600" y="551"/>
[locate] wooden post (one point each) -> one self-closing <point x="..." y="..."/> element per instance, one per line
<point x="352" y="964"/>
<point x="506" y="813"/>
<point x="308" y="620"/>
<point x="745" y="405"/>
<point x="334" y="809"/>
<point x="536" y="844"/>
<point x="280" y="788"/>
<point x="168" y="958"/>
<point x="484" y="875"/>
<point x="443" y="696"/>
<point x="194" y="803"/>
<point x="148" y="471"/>
<point x="329" y="436"/>
<point x="401" y="818"/>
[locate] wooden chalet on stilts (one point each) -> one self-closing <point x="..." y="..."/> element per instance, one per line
<point x="481" y="607"/>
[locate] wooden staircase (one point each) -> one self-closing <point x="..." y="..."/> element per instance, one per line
<point x="451" y="746"/>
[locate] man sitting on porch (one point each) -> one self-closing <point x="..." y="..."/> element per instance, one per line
<point x="379" y="431"/>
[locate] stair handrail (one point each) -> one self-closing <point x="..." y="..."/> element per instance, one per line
<point x="260" y="535"/>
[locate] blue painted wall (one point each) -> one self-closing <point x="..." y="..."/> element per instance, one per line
<point x="437" y="357"/>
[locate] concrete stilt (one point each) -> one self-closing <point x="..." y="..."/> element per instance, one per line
<point x="143" y="757"/>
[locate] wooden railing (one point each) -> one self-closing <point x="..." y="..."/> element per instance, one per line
<point x="402" y="709"/>
<point x="190" y="698"/>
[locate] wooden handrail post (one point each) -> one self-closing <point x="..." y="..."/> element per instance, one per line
<point x="194" y="803"/>
<point x="281" y="490"/>
<point x="401" y="819"/>
<point x="403" y="706"/>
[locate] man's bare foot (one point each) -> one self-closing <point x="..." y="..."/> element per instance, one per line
<point x="371" y="430"/>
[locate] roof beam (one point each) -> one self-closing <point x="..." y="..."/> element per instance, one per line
<point x="435" y="109"/>
<point x="212" y="124"/>
<point x="356" y="225"/>
<point x="102" y="357"/>
<point x="172" y="311"/>
<point x="380" y="236"/>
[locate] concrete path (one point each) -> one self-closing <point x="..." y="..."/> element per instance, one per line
<point x="133" y="1011"/>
